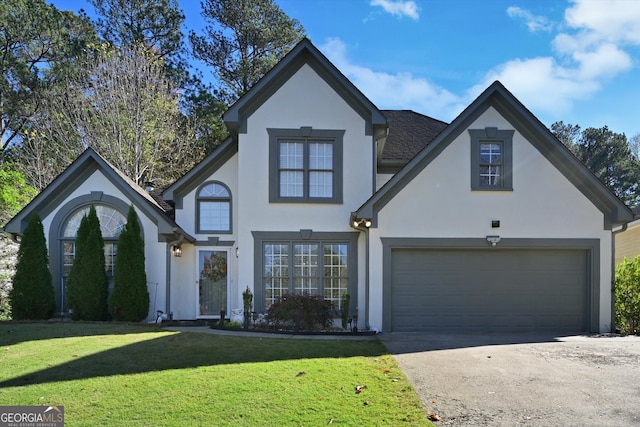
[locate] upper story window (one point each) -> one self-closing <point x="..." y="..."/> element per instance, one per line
<point x="491" y="159"/>
<point x="305" y="165"/>
<point x="213" y="208"/>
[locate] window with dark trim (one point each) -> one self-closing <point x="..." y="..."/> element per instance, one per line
<point x="305" y="262"/>
<point x="213" y="210"/>
<point x="491" y="159"/>
<point x="305" y="165"/>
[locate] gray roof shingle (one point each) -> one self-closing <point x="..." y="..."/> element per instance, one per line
<point x="409" y="132"/>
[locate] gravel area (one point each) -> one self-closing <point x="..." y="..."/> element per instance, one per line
<point x="519" y="380"/>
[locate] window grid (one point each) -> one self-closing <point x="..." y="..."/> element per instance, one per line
<point x="305" y="169"/>
<point x="490" y="164"/>
<point x="214" y="208"/>
<point x="305" y="272"/>
<point x="310" y="274"/>
<point x="276" y="277"/>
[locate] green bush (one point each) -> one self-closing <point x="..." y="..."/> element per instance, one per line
<point x="32" y="296"/>
<point x="300" y="312"/>
<point x="627" y="294"/>
<point x="129" y="301"/>
<point x="88" y="285"/>
<point x="345" y="302"/>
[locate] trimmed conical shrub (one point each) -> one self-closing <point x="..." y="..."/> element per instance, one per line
<point x="32" y="296"/>
<point x="129" y="301"/>
<point x="88" y="285"/>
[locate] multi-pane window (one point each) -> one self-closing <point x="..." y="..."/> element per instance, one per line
<point x="490" y="164"/>
<point x="305" y="169"/>
<point x="214" y="208"/>
<point x="491" y="159"/>
<point x="112" y="222"/>
<point x="306" y="165"/>
<point x="310" y="268"/>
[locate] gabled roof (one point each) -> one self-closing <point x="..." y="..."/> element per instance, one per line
<point x="80" y="170"/>
<point x="497" y="96"/>
<point x="200" y="172"/>
<point x="409" y="132"/>
<point x="303" y="53"/>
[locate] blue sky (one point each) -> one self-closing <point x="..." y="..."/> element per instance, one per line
<point x="572" y="60"/>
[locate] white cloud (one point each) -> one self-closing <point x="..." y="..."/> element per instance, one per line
<point x="588" y="53"/>
<point x="398" y="8"/>
<point x="394" y="91"/>
<point x="534" y="23"/>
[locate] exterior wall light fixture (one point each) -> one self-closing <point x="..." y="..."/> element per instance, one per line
<point x="176" y="250"/>
<point x="493" y="240"/>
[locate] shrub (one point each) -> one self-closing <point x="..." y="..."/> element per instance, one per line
<point x="627" y="294"/>
<point x="88" y="285"/>
<point x="32" y="296"/>
<point x="306" y="312"/>
<point x="344" y="309"/>
<point x="129" y="301"/>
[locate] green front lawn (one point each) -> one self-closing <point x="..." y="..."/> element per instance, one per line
<point x="116" y="374"/>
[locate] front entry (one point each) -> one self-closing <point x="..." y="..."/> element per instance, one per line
<point x="212" y="282"/>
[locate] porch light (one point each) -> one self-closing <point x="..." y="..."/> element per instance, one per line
<point x="361" y="222"/>
<point x="176" y="250"/>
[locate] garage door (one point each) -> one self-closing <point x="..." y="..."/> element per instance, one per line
<point x="489" y="290"/>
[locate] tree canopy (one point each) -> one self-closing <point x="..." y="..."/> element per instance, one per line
<point x="607" y="154"/>
<point x="243" y="40"/>
<point x="37" y="42"/>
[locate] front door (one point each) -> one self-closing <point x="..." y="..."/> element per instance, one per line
<point x="212" y="282"/>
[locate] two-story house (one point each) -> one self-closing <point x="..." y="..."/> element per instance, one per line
<point x="484" y="224"/>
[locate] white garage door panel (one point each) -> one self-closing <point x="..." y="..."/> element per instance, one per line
<point x="488" y="290"/>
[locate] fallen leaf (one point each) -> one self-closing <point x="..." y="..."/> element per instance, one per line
<point x="301" y="373"/>
<point x="435" y="417"/>
<point x="359" y="388"/>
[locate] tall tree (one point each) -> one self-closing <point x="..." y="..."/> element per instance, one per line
<point x="32" y="296"/>
<point x="608" y="155"/>
<point x="129" y="301"/>
<point x="243" y="40"/>
<point x="129" y="112"/>
<point x="152" y="24"/>
<point x="88" y="285"/>
<point x="37" y="41"/>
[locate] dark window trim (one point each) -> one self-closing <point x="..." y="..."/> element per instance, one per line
<point x="336" y="137"/>
<point x="304" y="237"/>
<point x="494" y="136"/>
<point x="213" y="199"/>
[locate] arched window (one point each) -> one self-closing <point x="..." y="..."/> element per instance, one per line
<point x="213" y="208"/>
<point x="112" y="223"/>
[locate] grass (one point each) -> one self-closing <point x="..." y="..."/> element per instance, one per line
<point x="142" y="375"/>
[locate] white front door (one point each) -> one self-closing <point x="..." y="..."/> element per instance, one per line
<point x="213" y="282"/>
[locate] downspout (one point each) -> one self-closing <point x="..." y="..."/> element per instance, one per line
<point x="613" y="276"/>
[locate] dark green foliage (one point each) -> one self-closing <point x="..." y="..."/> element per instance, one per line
<point x="607" y="154"/>
<point x="300" y="312"/>
<point x="345" y="302"/>
<point x="627" y="294"/>
<point x="129" y="301"/>
<point x="242" y="41"/>
<point x="32" y="296"/>
<point x="88" y="286"/>
<point x="37" y="42"/>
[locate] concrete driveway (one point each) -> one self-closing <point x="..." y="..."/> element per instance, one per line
<point x="520" y="380"/>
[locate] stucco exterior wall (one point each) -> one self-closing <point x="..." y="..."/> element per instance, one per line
<point x="304" y="100"/>
<point x="439" y="203"/>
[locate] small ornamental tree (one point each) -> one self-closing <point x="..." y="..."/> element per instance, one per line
<point x="627" y="294"/>
<point x="129" y="301"/>
<point x="88" y="285"/>
<point x="32" y="295"/>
